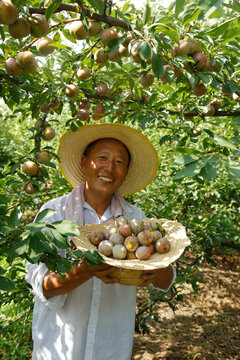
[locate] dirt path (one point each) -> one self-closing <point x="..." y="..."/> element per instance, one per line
<point x="205" y="326"/>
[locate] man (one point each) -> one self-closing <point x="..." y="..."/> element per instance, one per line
<point x="88" y="315"/>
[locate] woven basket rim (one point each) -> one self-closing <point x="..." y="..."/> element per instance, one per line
<point x="175" y="232"/>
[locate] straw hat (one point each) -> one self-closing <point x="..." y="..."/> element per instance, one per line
<point x="144" y="158"/>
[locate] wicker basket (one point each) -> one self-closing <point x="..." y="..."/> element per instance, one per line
<point x="129" y="271"/>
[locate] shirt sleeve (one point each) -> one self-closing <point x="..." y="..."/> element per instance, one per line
<point x="34" y="277"/>
<point x="36" y="272"/>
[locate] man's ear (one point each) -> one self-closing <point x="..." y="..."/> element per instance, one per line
<point x="83" y="163"/>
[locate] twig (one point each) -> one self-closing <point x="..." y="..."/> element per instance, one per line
<point x="82" y="7"/>
<point x="6" y="327"/>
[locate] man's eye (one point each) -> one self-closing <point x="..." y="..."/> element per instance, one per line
<point x="120" y="162"/>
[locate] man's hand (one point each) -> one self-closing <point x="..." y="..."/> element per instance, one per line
<point x="147" y="277"/>
<point x="102" y="271"/>
<point x="160" y="278"/>
<point x="54" y="284"/>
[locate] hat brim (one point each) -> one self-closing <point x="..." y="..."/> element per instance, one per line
<point x="144" y="159"/>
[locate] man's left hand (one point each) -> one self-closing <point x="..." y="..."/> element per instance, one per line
<point x="160" y="278"/>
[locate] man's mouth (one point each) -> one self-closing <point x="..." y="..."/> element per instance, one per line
<point x="106" y="179"/>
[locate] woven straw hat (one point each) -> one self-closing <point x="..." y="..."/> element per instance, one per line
<point x="144" y="158"/>
<point x="129" y="271"/>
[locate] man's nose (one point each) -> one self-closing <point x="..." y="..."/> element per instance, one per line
<point x="109" y="165"/>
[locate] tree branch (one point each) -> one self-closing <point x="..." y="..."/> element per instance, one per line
<point x="110" y="20"/>
<point x="72" y="8"/>
<point x="62" y="7"/>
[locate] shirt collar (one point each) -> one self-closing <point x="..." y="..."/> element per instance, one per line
<point x="107" y="214"/>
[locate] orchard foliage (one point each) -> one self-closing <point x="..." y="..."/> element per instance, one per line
<point x="175" y="70"/>
<point x="173" y="73"/>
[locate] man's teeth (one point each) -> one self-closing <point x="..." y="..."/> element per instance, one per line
<point x="105" y="179"/>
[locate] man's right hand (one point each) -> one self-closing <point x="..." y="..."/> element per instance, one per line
<point x="54" y="284"/>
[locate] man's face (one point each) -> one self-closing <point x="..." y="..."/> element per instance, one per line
<point x="106" y="166"/>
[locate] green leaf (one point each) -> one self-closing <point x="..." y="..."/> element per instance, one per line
<point x="164" y="139"/>
<point x="59" y="240"/>
<point x="47" y="240"/>
<point x="36" y="246"/>
<point x="21" y="247"/>
<point x="179" y="6"/>
<point x="236" y="121"/>
<point x="185" y="159"/>
<point x="67" y="227"/>
<point x="235" y="139"/>
<point x="50" y="164"/>
<point x="113" y="45"/>
<point x="2" y="33"/>
<point x="234" y="170"/>
<point x="50" y="10"/>
<point x="222" y="141"/>
<point x="97" y="5"/>
<point x="191" y="12"/>
<point x="2" y="271"/>
<point x="64" y="266"/>
<point x="48" y="73"/>
<point x="184" y="150"/>
<point x="191" y="169"/>
<point x="235" y="6"/>
<point x="210" y="171"/>
<point x="15" y="217"/>
<point x="6" y="284"/>
<point x="157" y="65"/>
<point x="214" y="10"/>
<point x="33" y="254"/>
<point x="169" y="31"/>
<point x="216" y="27"/>
<point x="68" y="36"/>
<point x="44" y="214"/>
<point x="145" y="50"/>
<point x="6" y="229"/>
<point x="147" y="13"/>
<point x="93" y="257"/>
<point x="34" y="227"/>
<point x="14" y="93"/>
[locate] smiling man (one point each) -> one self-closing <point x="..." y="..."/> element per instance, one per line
<point x="105" y="165"/>
<point x="88" y="315"/>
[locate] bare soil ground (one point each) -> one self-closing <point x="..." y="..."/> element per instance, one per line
<point x="205" y="326"/>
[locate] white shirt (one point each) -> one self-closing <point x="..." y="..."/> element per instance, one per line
<point x="95" y="321"/>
